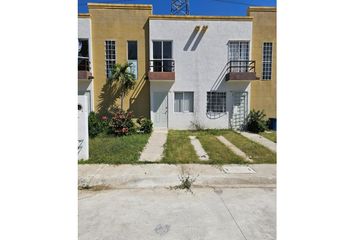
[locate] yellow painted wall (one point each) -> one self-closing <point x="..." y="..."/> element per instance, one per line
<point x="263" y="93"/>
<point x="121" y="23"/>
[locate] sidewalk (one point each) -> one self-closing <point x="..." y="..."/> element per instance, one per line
<point x="164" y="175"/>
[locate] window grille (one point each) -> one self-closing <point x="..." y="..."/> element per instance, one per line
<point x="216" y="102"/>
<point x="110" y="51"/>
<point x="267" y="61"/>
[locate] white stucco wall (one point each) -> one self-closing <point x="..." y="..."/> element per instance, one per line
<point x="84" y="31"/>
<point x="83" y="135"/>
<point x="199" y="66"/>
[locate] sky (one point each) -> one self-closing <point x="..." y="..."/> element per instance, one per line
<point x="197" y="7"/>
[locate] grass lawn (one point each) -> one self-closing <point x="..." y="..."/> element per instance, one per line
<point x="116" y="150"/>
<point x="257" y="152"/>
<point x="178" y="148"/>
<point x="271" y="135"/>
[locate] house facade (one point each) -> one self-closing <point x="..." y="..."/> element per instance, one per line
<point x="192" y="71"/>
<point x="264" y="46"/>
<point x="200" y="92"/>
<point x="119" y="34"/>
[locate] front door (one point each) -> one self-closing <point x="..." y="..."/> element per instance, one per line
<point x="160" y="109"/>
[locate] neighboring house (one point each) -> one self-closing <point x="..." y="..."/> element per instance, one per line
<point x="263" y="94"/>
<point x="85" y="70"/>
<point x="192" y="71"/>
<point x="120" y="34"/>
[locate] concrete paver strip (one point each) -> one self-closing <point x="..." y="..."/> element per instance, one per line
<point x="261" y="140"/>
<point x="201" y="153"/>
<point x="153" y="151"/>
<point x="233" y="148"/>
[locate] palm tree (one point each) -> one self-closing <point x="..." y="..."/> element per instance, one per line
<point x="122" y="74"/>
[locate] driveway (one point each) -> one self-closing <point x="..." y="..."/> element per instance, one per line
<point x="229" y="203"/>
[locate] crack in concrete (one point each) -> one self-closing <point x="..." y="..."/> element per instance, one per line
<point x="233" y="218"/>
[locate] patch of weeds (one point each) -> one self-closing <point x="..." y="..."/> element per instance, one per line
<point x="84" y="184"/>
<point x="186" y="183"/>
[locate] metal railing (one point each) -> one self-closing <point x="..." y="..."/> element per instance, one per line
<point x="162" y="65"/>
<point x="241" y="66"/>
<point x="83" y="64"/>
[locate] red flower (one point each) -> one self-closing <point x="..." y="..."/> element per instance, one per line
<point x="104" y="117"/>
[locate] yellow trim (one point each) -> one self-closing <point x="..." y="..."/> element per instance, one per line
<point x="188" y="17"/>
<point x="119" y="6"/>
<point x="261" y="9"/>
<point x="84" y="15"/>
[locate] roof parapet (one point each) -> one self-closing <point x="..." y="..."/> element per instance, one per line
<point x="210" y="18"/>
<point x="119" y="6"/>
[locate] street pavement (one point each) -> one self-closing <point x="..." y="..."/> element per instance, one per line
<point x="142" y="202"/>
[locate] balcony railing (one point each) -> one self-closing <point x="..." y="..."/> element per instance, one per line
<point x="241" y="66"/>
<point x="241" y="70"/>
<point x="83" y="64"/>
<point x="162" y="65"/>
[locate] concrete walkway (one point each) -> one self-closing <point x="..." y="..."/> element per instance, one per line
<point x="233" y="148"/>
<point x="198" y="148"/>
<point x="153" y="151"/>
<point x="261" y="140"/>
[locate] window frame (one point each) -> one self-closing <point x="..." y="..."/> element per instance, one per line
<point x="182" y="107"/>
<point x="238" y="66"/>
<point x="162" y="59"/>
<point x="137" y="55"/>
<point x="111" y="59"/>
<point x="267" y="65"/>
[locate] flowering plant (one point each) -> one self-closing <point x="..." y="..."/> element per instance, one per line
<point x="122" y="123"/>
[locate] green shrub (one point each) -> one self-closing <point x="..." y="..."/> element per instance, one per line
<point x="122" y="123"/>
<point x="145" y="125"/>
<point x="94" y="125"/>
<point x="255" y="121"/>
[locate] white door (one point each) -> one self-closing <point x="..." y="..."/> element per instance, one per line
<point x="160" y="109"/>
<point x="239" y="110"/>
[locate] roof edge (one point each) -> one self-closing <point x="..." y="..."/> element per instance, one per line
<point x="261" y="9"/>
<point x="189" y="17"/>
<point x="119" y="6"/>
<point x="84" y="15"/>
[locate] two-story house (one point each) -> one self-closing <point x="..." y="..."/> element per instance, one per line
<point x="192" y="71"/>
<point x="201" y="69"/>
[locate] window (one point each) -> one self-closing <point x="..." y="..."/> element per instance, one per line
<point x="83" y="48"/>
<point x="133" y="57"/>
<point x="216" y="102"/>
<point x="110" y="50"/>
<point x="162" y="56"/>
<point x="83" y="55"/>
<point x="184" y="101"/>
<point x="238" y="55"/>
<point x="267" y="61"/>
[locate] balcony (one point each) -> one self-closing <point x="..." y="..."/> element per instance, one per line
<point x="162" y="70"/>
<point x="84" y="69"/>
<point x="241" y="70"/>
